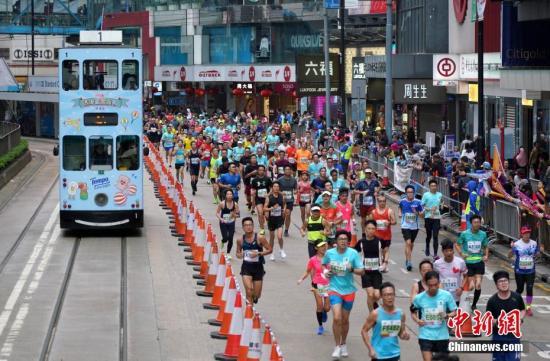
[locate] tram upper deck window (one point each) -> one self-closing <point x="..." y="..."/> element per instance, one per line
<point x="127" y="152"/>
<point x="70" y="75"/>
<point x="101" y="152"/>
<point x="100" y="119"/>
<point x="130" y="75"/>
<point x="100" y="75"/>
<point x="74" y="152"/>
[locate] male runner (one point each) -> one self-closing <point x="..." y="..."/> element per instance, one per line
<point x="260" y="187"/>
<point x="367" y="189"/>
<point x="371" y="280"/>
<point x="317" y="229"/>
<point x="384" y="218"/>
<point x="289" y="186"/>
<point x="431" y="201"/>
<point x="451" y="269"/>
<point x="274" y="208"/>
<point x="194" y="156"/>
<point x="409" y="211"/>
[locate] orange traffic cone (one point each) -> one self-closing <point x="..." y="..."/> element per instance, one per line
<point x="211" y="275"/>
<point x="219" y="318"/>
<point x="218" y="286"/>
<point x="275" y="354"/>
<point x="266" y="345"/>
<point x="254" y="345"/>
<point x="246" y="333"/>
<point x="234" y="334"/>
<point x="463" y="223"/>
<point x="227" y="313"/>
<point x="353" y="239"/>
<point x="203" y="268"/>
<point x="466" y="328"/>
<point x="385" y="178"/>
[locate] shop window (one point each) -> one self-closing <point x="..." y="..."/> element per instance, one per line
<point x="101" y="153"/>
<point x="127" y="152"/>
<point x="70" y="75"/>
<point x="130" y="75"/>
<point x="100" y="75"/>
<point x="74" y="153"/>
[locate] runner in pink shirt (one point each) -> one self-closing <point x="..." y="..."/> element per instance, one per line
<point x="304" y="195"/>
<point x="344" y="212"/>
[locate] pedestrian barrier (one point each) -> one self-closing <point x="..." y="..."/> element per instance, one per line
<point x="195" y="235"/>
<point x="507" y="223"/>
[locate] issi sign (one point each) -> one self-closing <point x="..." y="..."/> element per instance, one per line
<point x="40" y="54"/>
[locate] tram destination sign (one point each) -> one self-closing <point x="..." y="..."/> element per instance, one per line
<point x="24" y="54"/>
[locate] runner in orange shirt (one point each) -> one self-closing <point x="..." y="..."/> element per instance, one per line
<point x="303" y="157"/>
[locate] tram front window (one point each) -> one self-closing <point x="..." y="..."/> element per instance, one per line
<point x="100" y="74"/>
<point x="101" y="153"/>
<point x="127" y="154"/>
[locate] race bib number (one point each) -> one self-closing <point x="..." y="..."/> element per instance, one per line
<point x="305" y="197"/>
<point x="433" y="317"/>
<point x="371" y="264"/>
<point x="291" y="160"/>
<point x="206" y="154"/>
<point x="194" y="160"/>
<point x="262" y="192"/>
<point x="344" y="224"/>
<point x="276" y="212"/>
<point x="304" y="160"/>
<point x="180" y="158"/>
<point x="449" y="284"/>
<point x="322" y="289"/>
<point x="227" y="217"/>
<point x="390" y="328"/>
<point x="339" y="269"/>
<point x="526" y="262"/>
<point x="368" y="201"/>
<point x="381" y="225"/>
<point x="248" y="256"/>
<point x="474" y="246"/>
<point x="280" y="170"/>
<point x="410" y="217"/>
<point x="287" y="195"/>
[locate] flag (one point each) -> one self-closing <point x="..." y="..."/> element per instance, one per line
<point x="497" y="161"/>
<point x="402" y="176"/>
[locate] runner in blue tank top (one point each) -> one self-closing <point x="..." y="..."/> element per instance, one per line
<point x="387" y="324"/>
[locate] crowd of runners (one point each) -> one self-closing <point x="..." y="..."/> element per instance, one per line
<point x="295" y="164"/>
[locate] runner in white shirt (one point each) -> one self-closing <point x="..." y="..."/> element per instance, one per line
<point x="452" y="270"/>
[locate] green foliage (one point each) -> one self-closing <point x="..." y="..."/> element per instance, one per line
<point x="13" y="154"/>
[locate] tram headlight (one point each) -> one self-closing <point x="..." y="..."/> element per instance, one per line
<point x="101" y="199"/>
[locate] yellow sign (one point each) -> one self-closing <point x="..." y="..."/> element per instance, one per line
<point x="527" y="102"/>
<point x="472" y="93"/>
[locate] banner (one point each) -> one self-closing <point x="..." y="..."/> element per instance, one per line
<point x="402" y="177"/>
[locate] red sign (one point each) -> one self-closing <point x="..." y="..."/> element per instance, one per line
<point x="209" y="74"/>
<point x="446" y="67"/>
<point x="460" y="7"/>
<point x="182" y="73"/>
<point x="482" y="323"/>
<point x="379" y="7"/>
<point x="251" y="73"/>
<point x="286" y="73"/>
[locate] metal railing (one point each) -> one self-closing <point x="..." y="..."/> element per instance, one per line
<point x="10" y="136"/>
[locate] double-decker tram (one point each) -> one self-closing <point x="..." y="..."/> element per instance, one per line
<point x="100" y="133"/>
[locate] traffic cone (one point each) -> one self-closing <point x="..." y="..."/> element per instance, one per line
<point x="218" y="286"/>
<point x="463" y="223"/>
<point x="222" y="333"/>
<point x="246" y="333"/>
<point x="267" y="344"/>
<point x="466" y="327"/>
<point x="234" y="334"/>
<point x="353" y="240"/>
<point x="203" y="267"/>
<point x="219" y="318"/>
<point x="385" y="178"/>
<point x="275" y="354"/>
<point x="254" y="345"/>
<point x="189" y="230"/>
<point x="212" y="274"/>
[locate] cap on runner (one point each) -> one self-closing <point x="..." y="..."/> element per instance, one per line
<point x="315" y="209"/>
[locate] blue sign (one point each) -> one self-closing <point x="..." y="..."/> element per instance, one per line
<point x="521" y="40"/>
<point x="332" y="4"/>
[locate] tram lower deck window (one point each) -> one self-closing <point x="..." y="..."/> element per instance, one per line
<point x="101" y="152"/>
<point x="100" y="119"/>
<point x="127" y="152"/>
<point x="74" y="152"/>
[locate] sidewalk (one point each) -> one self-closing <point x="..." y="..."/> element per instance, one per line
<point x="499" y="250"/>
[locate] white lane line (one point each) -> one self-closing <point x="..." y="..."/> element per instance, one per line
<point x="404" y="271"/>
<point x="404" y="293"/>
<point x="18" y="288"/>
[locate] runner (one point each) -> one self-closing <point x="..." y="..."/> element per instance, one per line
<point x="387" y="324"/>
<point x="367" y="189"/>
<point x="317" y="229"/>
<point x="230" y="180"/>
<point x="430" y="311"/>
<point x="275" y="207"/>
<point x="304" y="196"/>
<point x="167" y="141"/>
<point x="249" y="172"/>
<point x="213" y="174"/>
<point x="319" y="283"/>
<point x="371" y="280"/>
<point x="194" y="156"/>
<point x="409" y="211"/>
<point x="525" y="250"/>
<point x="303" y="157"/>
<point x="179" y="153"/>
<point x="329" y="211"/>
<point x="384" y="218"/>
<point x="505" y="300"/>
<point x="318" y="183"/>
<point x="337" y="181"/>
<point x="288" y="187"/>
<point x="431" y="201"/>
<point x="420" y="286"/>
<point x="206" y="151"/>
<point x="344" y="212"/>
<point x="314" y="168"/>
<point x="280" y="163"/>
<point x="252" y="249"/>
<point x="472" y="248"/>
<point x="451" y="269"/>
<point x="342" y="262"/>
<point x="227" y="213"/>
<point x="272" y="140"/>
<point x="260" y="187"/>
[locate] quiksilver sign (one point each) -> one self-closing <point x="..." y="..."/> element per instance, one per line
<point x="306" y="41"/>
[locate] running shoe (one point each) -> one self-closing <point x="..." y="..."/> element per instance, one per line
<point x="208" y="181"/>
<point x="336" y="353"/>
<point x="344" y="350"/>
<point x="436" y="257"/>
<point x="282" y="254"/>
<point x="427" y="252"/>
<point x="409" y="266"/>
<point x="286" y="232"/>
<point x="320" y="330"/>
<point x="529" y="310"/>
<point x="272" y="257"/>
<point x="228" y="257"/>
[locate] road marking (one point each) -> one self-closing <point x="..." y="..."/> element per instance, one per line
<point x="23" y="277"/>
<point x="404" y="293"/>
<point x="404" y="271"/>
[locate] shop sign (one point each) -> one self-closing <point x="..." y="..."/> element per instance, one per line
<point x="284" y="88"/>
<point x="445" y="69"/>
<point x="491" y="66"/>
<point x="312" y="68"/>
<point x="43" y="84"/>
<point x="24" y="54"/>
<point x="472" y="93"/>
<point x="375" y="66"/>
<point x="312" y="89"/>
<point x="225" y="73"/>
<point x="418" y="91"/>
<point x="248" y="88"/>
<point x="358" y="67"/>
<point x="300" y="41"/>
